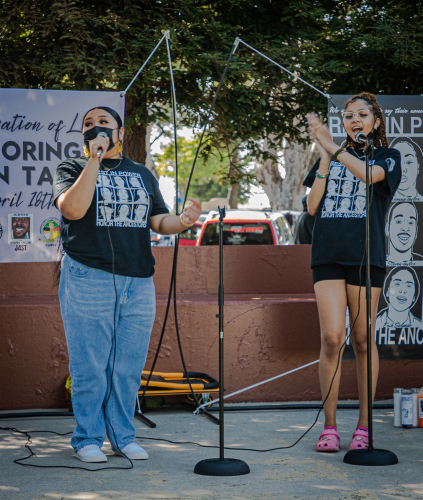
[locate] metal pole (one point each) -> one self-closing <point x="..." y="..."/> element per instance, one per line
<point x="369" y="305"/>
<point x="221" y="365"/>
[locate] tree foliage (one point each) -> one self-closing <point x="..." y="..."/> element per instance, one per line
<point x="340" y="46"/>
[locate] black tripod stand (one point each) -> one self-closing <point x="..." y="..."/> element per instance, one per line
<point x="369" y="456"/>
<point x="221" y="466"/>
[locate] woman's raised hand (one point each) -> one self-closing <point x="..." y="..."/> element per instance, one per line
<point x="191" y="213"/>
<point x="320" y="134"/>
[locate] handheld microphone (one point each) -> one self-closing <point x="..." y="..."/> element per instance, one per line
<point x="100" y="150"/>
<point x="361" y="138"/>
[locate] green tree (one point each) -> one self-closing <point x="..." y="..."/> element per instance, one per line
<point x="210" y="175"/>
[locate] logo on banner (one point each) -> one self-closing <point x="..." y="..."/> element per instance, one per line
<point x="20" y="229"/>
<point x="50" y="230"/>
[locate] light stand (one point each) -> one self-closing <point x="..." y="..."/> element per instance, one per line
<point x="221" y="466"/>
<point x="369" y="456"/>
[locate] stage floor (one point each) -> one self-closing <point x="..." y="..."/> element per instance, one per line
<point x="296" y="473"/>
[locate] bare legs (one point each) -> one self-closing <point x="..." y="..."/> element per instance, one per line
<point x="332" y="298"/>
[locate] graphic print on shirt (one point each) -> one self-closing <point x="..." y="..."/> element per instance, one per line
<point x="122" y="200"/>
<point x="345" y="195"/>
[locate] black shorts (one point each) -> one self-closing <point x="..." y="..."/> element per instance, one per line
<point x="350" y="274"/>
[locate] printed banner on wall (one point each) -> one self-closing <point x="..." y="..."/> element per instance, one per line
<point x="399" y="325"/>
<point x="38" y="129"/>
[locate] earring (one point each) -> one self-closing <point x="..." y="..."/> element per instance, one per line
<point x="119" y="147"/>
<point x="86" y="151"/>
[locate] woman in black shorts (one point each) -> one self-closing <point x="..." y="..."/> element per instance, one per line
<point x="338" y="247"/>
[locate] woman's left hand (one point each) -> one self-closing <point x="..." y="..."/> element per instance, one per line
<point x="322" y="133"/>
<point x="191" y="213"/>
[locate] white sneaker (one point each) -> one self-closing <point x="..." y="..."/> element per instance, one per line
<point x="91" y="453"/>
<point x="133" y="451"/>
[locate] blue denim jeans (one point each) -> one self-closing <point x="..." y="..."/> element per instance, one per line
<point x="89" y="310"/>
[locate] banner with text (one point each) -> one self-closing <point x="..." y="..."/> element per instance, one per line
<point x="399" y="323"/>
<point x="38" y="129"/>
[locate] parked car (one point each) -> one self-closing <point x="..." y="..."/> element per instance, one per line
<point x="190" y="235"/>
<point x="246" y="228"/>
<point x="161" y="240"/>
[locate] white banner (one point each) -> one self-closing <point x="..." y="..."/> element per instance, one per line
<point x="38" y="129"/>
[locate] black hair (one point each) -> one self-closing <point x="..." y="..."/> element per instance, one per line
<point x="111" y="112"/>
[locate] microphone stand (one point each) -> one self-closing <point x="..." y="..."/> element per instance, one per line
<point x="221" y="466"/>
<point x="369" y="456"/>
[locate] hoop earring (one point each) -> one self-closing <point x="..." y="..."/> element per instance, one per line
<point x="119" y="147"/>
<point x="86" y="151"/>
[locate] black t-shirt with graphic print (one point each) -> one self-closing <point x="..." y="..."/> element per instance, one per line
<point x="124" y="200"/>
<point x="340" y="227"/>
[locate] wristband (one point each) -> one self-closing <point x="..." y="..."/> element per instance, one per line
<point x="184" y="223"/>
<point x="320" y="176"/>
<point x="339" y="152"/>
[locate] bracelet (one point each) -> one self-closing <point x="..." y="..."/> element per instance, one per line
<point x="184" y="223"/>
<point x="339" y="152"/>
<point x="320" y="176"/>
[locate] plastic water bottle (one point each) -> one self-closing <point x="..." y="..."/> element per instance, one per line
<point x="397" y="406"/>
<point x="407" y="409"/>
<point x="415" y="407"/>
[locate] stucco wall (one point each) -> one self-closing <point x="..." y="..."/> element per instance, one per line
<point x="271" y="326"/>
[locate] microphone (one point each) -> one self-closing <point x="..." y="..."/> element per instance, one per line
<point x="100" y="150"/>
<point x="361" y="138"/>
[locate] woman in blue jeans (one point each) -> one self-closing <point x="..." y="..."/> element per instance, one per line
<point x="106" y="291"/>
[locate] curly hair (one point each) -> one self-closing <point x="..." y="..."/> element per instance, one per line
<point x="379" y="138"/>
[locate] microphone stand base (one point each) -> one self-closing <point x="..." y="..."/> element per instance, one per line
<point x="371" y="458"/>
<point x="225" y="467"/>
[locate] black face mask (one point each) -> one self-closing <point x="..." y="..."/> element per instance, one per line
<point x="359" y="145"/>
<point x="92" y="133"/>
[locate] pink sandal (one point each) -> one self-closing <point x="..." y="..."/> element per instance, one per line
<point x="360" y="440"/>
<point x="328" y="440"/>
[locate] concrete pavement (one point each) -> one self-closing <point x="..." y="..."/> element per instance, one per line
<point x="296" y="473"/>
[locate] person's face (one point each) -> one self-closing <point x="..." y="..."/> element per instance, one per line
<point x="401" y="290"/>
<point x="403" y="227"/>
<point x="124" y="211"/>
<point x="345" y="204"/>
<point x="409" y="165"/>
<point x="123" y="195"/>
<point x="134" y="182"/>
<point x="361" y="188"/>
<point x="335" y="172"/>
<point x="119" y="181"/>
<point x="106" y="212"/>
<point x="329" y="204"/>
<point x="360" y="203"/>
<point x="101" y="118"/>
<point x="140" y="211"/>
<point x="104" y="180"/>
<point x="362" y="121"/>
<point x="347" y="187"/>
<point x="331" y="186"/>
<point x="20" y="227"/>
<point x="106" y="193"/>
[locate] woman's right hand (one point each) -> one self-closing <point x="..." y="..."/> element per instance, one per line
<point x="99" y="142"/>
<point x="324" y="155"/>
